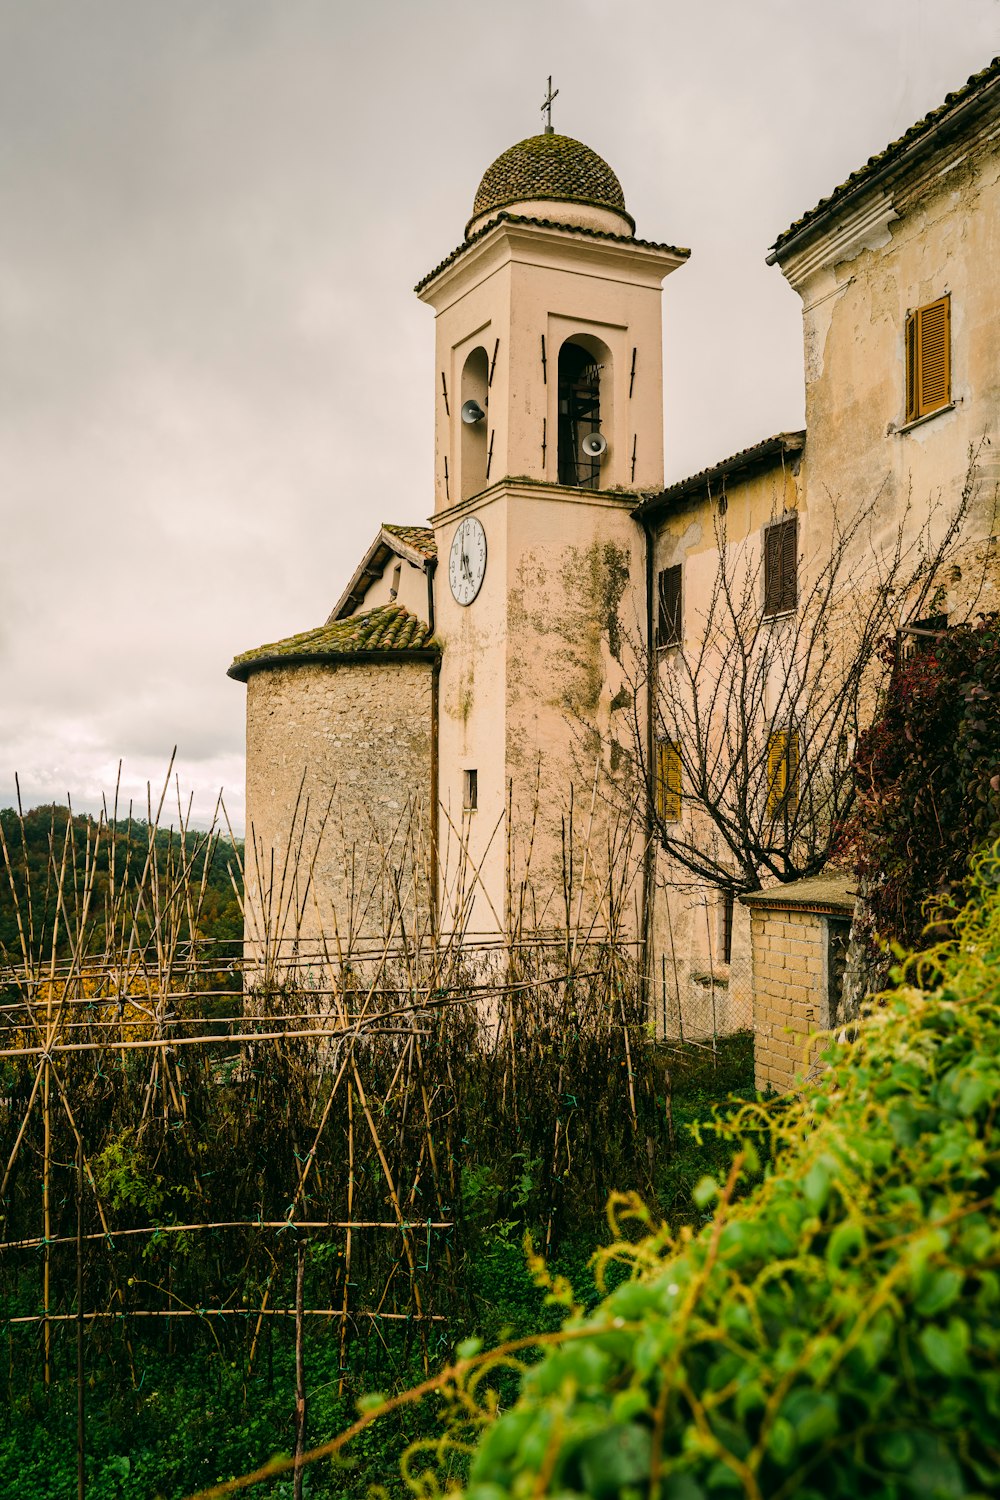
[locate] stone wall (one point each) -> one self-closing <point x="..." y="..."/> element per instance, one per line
<point x="798" y="933"/>
<point x="356" y="738"/>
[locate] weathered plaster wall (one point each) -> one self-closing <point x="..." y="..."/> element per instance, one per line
<point x="531" y="691"/>
<point x="363" y="733"/>
<point x="939" y="233"/>
<point x="695" y="992"/>
<point x="576" y="591"/>
<point x="474" y="640"/>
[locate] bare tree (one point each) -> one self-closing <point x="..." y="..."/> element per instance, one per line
<point x="747" y="754"/>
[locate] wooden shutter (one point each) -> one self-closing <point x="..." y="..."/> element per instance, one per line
<point x="928" y="359"/>
<point x="668" y="621"/>
<point x="668" y="781"/>
<point x="782" y="772"/>
<point x="781" y="566"/>
<point x="911" y="367"/>
<point x="775" y="771"/>
<point x="791" y="771"/>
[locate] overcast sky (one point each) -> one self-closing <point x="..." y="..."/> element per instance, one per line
<point x="215" y="381"/>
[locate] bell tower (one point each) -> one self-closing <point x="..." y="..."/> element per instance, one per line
<point x="548" y="429"/>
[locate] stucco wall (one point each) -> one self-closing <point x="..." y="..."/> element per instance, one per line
<point x="411" y="592"/>
<point x="516" y="286"/>
<point x="938" y="232"/>
<point x="531" y="680"/>
<point x="358" y="731"/>
<point x="696" y="993"/>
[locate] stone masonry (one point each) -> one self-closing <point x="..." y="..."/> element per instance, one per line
<point x="798" y="939"/>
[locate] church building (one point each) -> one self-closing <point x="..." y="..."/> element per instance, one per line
<point x="471" y="740"/>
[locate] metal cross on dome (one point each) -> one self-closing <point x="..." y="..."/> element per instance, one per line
<point x="547" y="107"/>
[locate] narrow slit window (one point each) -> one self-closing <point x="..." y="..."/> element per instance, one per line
<point x="669" y="606"/>
<point x="470" y="791"/>
<point x="726" y="908"/>
<point x="781" y="566"/>
<point x="928" y="359"/>
<point x="668" y="781"/>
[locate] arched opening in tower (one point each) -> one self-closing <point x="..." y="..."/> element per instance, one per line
<point x="579" y="415"/>
<point x="475" y="387"/>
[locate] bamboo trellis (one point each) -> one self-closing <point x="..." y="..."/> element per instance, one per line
<point x="139" y="1059"/>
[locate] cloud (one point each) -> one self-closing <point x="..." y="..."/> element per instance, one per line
<point x="215" y="381"/>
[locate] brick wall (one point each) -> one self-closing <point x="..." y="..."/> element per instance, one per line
<point x="790" y="994"/>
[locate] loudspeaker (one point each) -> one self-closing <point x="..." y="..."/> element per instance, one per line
<point x="594" y="444"/>
<point x="472" y="412"/>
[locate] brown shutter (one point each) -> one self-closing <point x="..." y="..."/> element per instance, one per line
<point x="668" y="624"/>
<point x="781" y="548"/>
<point x="789" y="563"/>
<point x="772" y="570"/>
<point x="934" y="355"/>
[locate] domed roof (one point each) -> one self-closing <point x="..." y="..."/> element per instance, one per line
<point x="549" y="166"/>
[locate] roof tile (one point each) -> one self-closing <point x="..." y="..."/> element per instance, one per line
<point x="757" y="455"/>
<point x="507" y="218"/>
<point x="420" y="538"/>
<point x="388" y="628"/>
<point x="977" y="83"/>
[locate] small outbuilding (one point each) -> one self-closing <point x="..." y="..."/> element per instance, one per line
<point x="798" y="934"/>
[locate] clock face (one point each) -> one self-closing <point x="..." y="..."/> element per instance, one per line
<point x="467" y="563"/>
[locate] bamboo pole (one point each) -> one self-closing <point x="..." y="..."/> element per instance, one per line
<point x="300" y="1373"/>
<point x="46" y="1223"/>
<point x="81" y="1415"/>
<point x="348" y="1241"/>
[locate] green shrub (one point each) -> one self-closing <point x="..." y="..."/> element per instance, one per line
<point x="834" y="1334"/>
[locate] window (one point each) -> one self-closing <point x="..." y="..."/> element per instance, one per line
<point x="668" y="618"/>
<point x="782" y="773"/>
<point x="928" y="359"/>
<point x="921" y="637"/>
<point x="668" y="781"/>
<point x="781" y="566"/>
<point x="470" y="791"/>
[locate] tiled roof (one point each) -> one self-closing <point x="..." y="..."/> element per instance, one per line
<point x="420" y="538"/>
<point x="508" y="218"/>
<point x="758" y="456"/>
<point x="911" y="140"/>
<point x="549" y="166"/>
<point x="386" y="629"/>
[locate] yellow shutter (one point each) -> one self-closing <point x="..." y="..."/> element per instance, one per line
<point x="782" y="772"/>
<point x="668" y="781"/>
<point x="791" y="771"/>
<point x="928" y="359"/>
<point x="775" y="770"/>
<point x="934" y="355"/>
